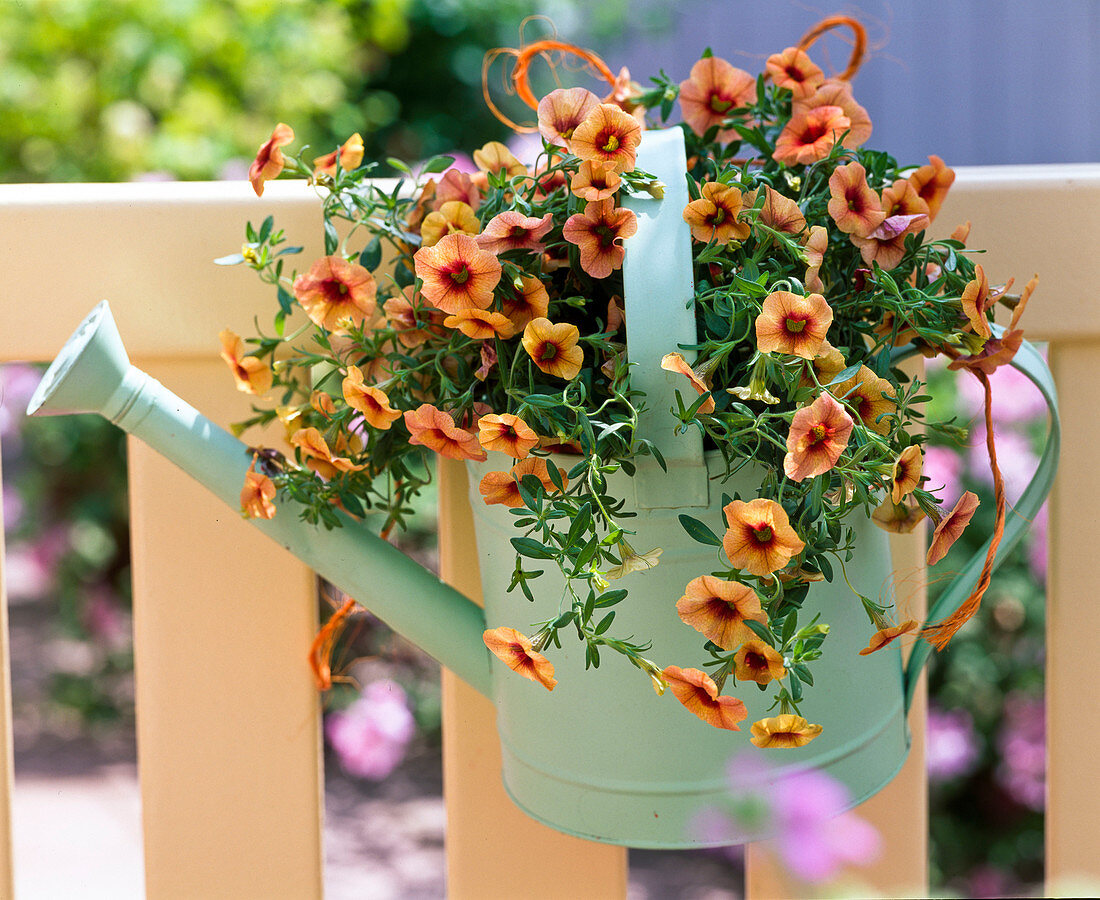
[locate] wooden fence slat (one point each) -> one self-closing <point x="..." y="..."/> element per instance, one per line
<point x="494" y="850"/>
<point x="227" y="713"/>
<point x="7" y="762"/>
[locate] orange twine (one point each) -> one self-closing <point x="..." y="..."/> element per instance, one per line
<point x="940" y="634"/>
<point x="320" y="651"/>
<point x="521" y="79"/>
<point x="859" y="45"/>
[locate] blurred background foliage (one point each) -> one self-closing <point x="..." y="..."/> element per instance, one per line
<point x="114" y="90"/>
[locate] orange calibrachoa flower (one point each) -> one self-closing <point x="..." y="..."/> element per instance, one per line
<point x="783" y="732"/>
<point x="512" y="230"/>
<point x="759" y="662"/>
<point x="517" y="653"/>
<point x="794" y="70"/>
<point x="335" y="292"/>
<point x="719" y="609"/>
<point x="457" y="273"/>
<point x="870" y="396"/>
<point x="674" y="362"/>
<point x="503" y="487"/>
<point x="456" y="185"/>
<point x="349" y="154"/>
<point x="778" y="212"/>
<point x="599" y="232"/>
<point x="608" y="135"/>
<point x="481" y="324"/>
<point x="253" y="375"/>
<point x="907" y="473"/>
<point x="713" y="90"/>
<point x="792" y="324"/>
<point x="899" y="518"/>
<point x="495" y="157"/>
<point x="854" y="207"/>
<point x="318" y="455"/>
<point x="528" y="301"/>
<point x="759" y="538"/>
<point x="269" y="161"/>
<point x="951" y="527"/>
<point x="561" y="111"/>
<point x="698" y="692"/>
<point x="810" y="135"/>
<point x="886" y="244"/>
<point x="434" y="429"/>
<point x="452" y="217"/>
<point x="414" y="324"/>
<point x="932" y="183"/>
<point x="976" y="301"/>
<point x="257" y="494"/>
<point x="506" y="433"/>
<point x="813" y="251"/>
<point x="714" y="216"/>
<point x="999" y="351"/>
<point x="819" y="433"/>
<point x="839" y="93"/>
<point x="372" y="402"/>
<point x="902" y="199"/>
<point x="554" y="348"/>
<point x="828" y="363"/>
<point x="884" y="636"/>
<point x="595" y="180"/>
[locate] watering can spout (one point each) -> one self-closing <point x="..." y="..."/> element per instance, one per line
<point x="93" y="374"/>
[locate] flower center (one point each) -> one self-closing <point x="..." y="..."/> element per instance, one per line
<point x="813" y="132"/>
<point x="795" y="74"/>
<point x="794" y="326"/>
<point x="755" y="661"/>
<point x="763" y="534"/>
<point x="719" y="104"/>
<point x="605" y="235"/>
<point x="518" y="232"/>
<point x="460" y="275"/>
<point x="719" y="217"/>
<point x="549" y="352"/>
<point x="817" y="434"/>
<point x="335" y="291"/>
<point x="610" y="143"/>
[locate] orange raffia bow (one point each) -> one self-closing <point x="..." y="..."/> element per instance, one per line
<point x="320" y="652"/>
<point x="521" y="79"/>
<point x="859" y="45"/>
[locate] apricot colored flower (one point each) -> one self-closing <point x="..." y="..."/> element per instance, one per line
<point x="759" y="538"/>
<point x="951" y="527"/>
<point x="608" y="135"/>
<point x="517" y="653"/>
<point x="372" y="402"/>
<point x="778" y="212"/>
<point x="513" y="230"/>
<point x="719" y="609"/>
<point x="819" y="433"/>
<point x="907" y="473"/>
<point x="759" y="662"/>
<point x="854" y="207"/>
<point x="813" y="251"/>
<point x="794" y="70"/>
<point x="783" y="732"/>
<point x="902" y="199"/>
<point x="884" y="636"/>
<point x="932" y="183"/>
<point x="674" y="362"/>
<point x="713" y="89"/>
<point x="554" y="348"/>
<point x="886" y="244"/>
<point x="456" y="185"/>
<point x="318" y="455"/>
<point x="452" y="217"/>
<point x="528" y="301"/>
<point x="257" y="494"/>
<point x="828" y="363"/>
<point x="714" y="216"/>
<point x="810" y="135"/>
<point x="349" y="154"/>
<point x="899" y="518"/>
<point x="503" y="487"/>
<point x="839" y="93"/>
<point x="561" y="111"/>
<point x="698" y="692"/>
<point x="870" y="397"/>
<point x="999" y="351"/>
<point x="413" y="323"/>
<point x="599" y="232"/>
<point x="595" y="180"/>
<point x="976" y="301"/>
<point x="335" y="292"/>
<point x="495" y="157"/>
<point x="481" y="324"/>
<point x="269" y="161"/>
<point x="253" y="375"/>
<point x="434" y="429"/>
<point x="457" y="273"/>
<point x="506" y="433"/>
<point x="792" y="324"/>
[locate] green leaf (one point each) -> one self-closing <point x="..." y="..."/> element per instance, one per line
<point x="845" y="374"/>
<point x="531" y="548"/>
<point x="397" y="164"/>
<point x="555" y="476"/>
<point x="436" y="164"/>
<point x="803" y="673"/>
<point x="332" y="239"/>
<point x="265" y="229"/>
<point x="371" y="256"/>
<point x="698" y="531"/>
<point x="286" y="300"/>
<point x="605" y="622"/>
<point x="761" y="631"/>
<point x="581" y="521"/>
<point x="610" y="598"/>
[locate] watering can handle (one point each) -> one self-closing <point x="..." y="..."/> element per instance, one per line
<point x="1030" y="363"/>
<point x="659" y="292"/>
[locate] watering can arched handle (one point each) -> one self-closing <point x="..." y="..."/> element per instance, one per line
<point x="1029" y="362"/>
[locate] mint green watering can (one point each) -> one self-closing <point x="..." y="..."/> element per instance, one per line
<point x="602" y="757"/>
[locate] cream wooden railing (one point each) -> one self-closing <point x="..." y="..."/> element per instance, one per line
<point x="228" y="720"/>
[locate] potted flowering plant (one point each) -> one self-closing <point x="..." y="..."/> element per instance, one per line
<point x="759" y="415"/>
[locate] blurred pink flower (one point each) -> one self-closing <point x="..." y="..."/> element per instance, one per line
<point x="952" y="748"/>
<point x="370" y="736"/>
<point x="106" y="620"/>
<point x="1022" y="743"/>
<point x="1015" y="399"/>
<point x="13" y="507"/>
<point x="943" y="467"/>
<point x="17" y="384"/>
<point x="1014" y="456"/>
